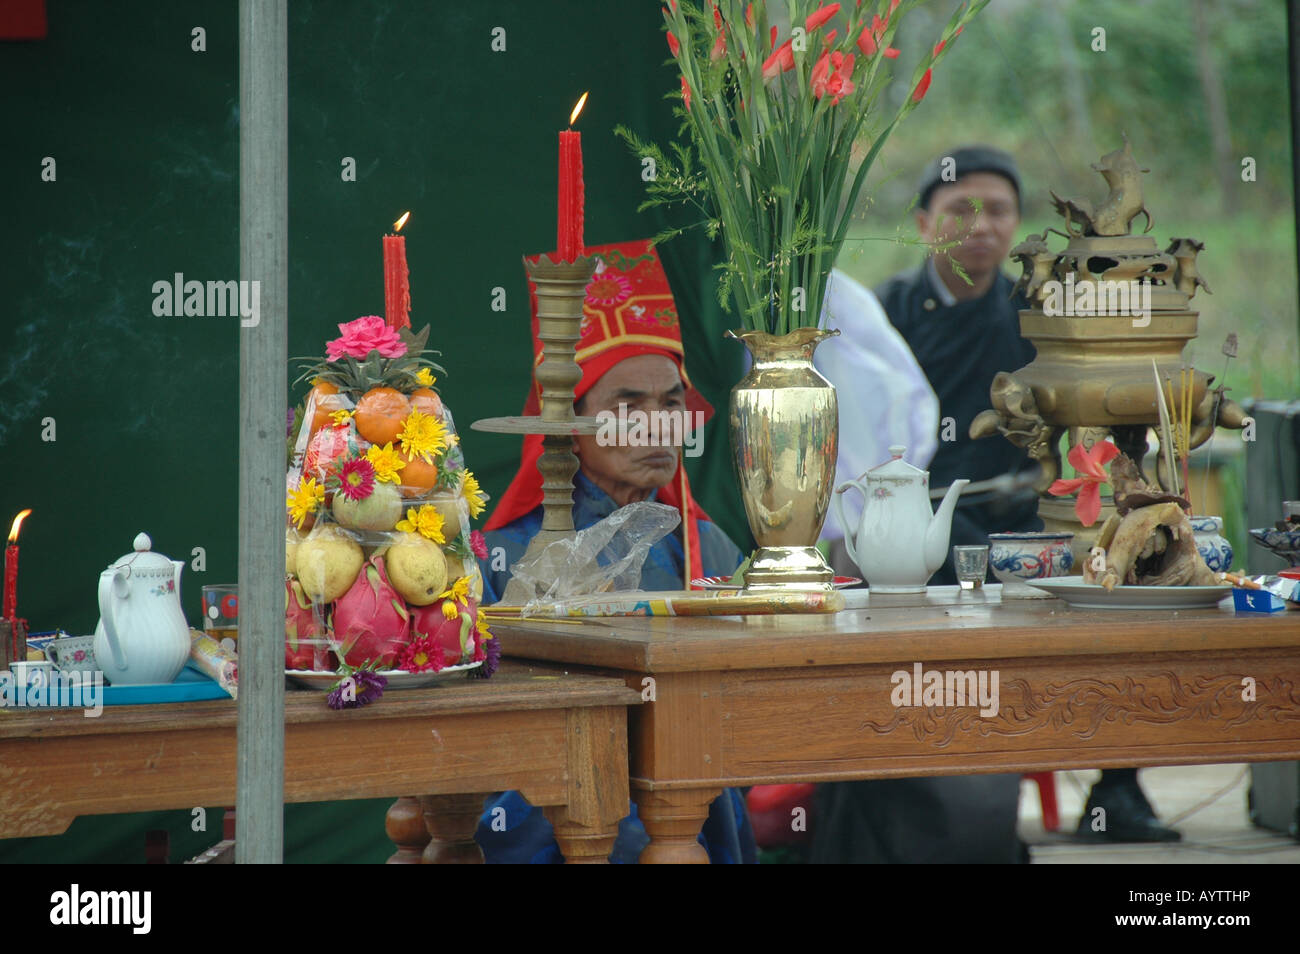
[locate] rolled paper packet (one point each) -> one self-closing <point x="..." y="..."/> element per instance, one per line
<point x="213" y="659"/>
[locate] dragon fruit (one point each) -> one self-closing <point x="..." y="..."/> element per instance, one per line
<point x="304" y="632"/>
<point x="370" y="620"/>
<point x="455" y="636"/>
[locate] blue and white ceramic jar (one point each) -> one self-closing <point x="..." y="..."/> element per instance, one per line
<point x="1211" y="544"/>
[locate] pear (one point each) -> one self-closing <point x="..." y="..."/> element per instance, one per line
<point x="292" y="540"/>
<point x="450" y="506"/>
<point x="328" y="563"/>
<point x="466" y="566"/>
<point x="416" y="568"/>
<point x="380" y="511"/>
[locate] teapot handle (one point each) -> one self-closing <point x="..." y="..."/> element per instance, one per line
<point x="110" y="586"/>
<point x="837" y="500"/>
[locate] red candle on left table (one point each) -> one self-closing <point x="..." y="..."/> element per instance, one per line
<point x="568" y="232"/>
<point x="397" y="279"/>
<point x="11" y="567"/>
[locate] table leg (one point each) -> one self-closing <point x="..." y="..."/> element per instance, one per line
<point x="406" y="829"/>
<point x="673" y="819"/>
<point x="451" y="821"/>
<point x="581" y="844"/>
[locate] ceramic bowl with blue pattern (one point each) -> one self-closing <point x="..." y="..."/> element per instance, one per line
<point x="1016" y="558"/>
<point x="1284" y="543"/>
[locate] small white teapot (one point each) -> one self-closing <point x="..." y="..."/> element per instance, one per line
<point x="142" y="637"/>
<point x="899" y="542"/>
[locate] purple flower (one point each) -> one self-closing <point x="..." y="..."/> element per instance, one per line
<point x="361" y="686"/>
<point x="288" y="427"/>
<point x="492" y="658"/>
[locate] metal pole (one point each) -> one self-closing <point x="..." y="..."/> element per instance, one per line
<point x="263" y="383"/>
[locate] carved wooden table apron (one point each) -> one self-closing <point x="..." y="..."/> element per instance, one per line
<point x="766" y="699"/>
<point x="560" y="739"/>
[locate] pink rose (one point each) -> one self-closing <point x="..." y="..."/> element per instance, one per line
<point x="363" y="336"/>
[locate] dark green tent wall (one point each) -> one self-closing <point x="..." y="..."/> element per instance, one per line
<point x="144" y="133"/>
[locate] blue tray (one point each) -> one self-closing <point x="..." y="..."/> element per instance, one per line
<point x="190" y="686"/>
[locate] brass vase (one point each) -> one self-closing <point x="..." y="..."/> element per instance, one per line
<point x="784" y="444"/>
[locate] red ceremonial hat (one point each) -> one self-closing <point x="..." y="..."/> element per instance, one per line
<point x="629" y="311"/>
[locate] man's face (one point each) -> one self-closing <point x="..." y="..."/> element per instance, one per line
<point x="985" y="237"/>
<point x="649" y="383"/>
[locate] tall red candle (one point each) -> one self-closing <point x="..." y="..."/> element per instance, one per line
<point x="568" y="233"/>
<point x="11" y="568"/>
<point x="397" y="279"/>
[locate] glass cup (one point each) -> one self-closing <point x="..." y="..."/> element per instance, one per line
<point x="1291" y="511"/>
<point x="221" y="614"/>
<point x="971" y="564"/>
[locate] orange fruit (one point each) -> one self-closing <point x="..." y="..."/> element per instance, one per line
<point x="379" y="414"/>
<point x="427" y="401"/>
<point x="327" y="402"/>
<point x="417" y="477"/>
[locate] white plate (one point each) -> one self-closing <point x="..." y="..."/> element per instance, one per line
<point x="724" y="582"/>
<point x="397" y="678"/>
<point x="1074" y="591"/>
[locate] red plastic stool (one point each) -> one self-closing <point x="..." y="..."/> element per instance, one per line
<point x="1046" y="783"/>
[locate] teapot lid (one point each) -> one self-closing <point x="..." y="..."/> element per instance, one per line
<point x="143" y="559"/>
<point x="897" y="467"/>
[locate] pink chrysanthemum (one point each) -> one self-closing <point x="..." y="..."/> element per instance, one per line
<point x="357" y="479"/>
<point x="478" y="544"/>
<point x="422" y="654"/>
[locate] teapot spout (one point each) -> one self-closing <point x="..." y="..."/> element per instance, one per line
<point x="940" y="529"/>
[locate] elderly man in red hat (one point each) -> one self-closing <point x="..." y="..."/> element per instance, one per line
<point x="631" y="357"/>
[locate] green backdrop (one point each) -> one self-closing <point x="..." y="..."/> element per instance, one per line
<point x="144" y="133"/>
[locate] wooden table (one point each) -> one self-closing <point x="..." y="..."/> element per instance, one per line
<point x="560" y="738"/>
<point x="760" y="700"/>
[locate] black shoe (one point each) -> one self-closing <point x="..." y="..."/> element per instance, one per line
<point x="1128" y="816"/>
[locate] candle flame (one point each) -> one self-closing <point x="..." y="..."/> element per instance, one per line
<point x="582" y="101"/>
<point x="397" y="226"/>
<point x="18" y="522"/>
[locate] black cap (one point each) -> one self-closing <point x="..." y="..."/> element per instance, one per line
<point x="966" y="160"/>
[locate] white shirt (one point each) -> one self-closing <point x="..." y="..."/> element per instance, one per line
<point x="884" y="397"/>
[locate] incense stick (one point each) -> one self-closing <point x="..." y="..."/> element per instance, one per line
<point x="1166" y="438"/>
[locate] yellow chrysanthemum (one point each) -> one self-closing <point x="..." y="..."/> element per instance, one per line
<point x="449" y="610"/>
<point x="425" y="377"/>
<point x="308" y="496"/>
<point x="341" y="418"/>
<point x="473" y="494"/>
<point x="386" y="461"/>
<point x="422" y="435"/>
<point x="458" y="591"/>
<point x="481" y="625"/>
<point x="453" y="440"/>
<point x="426" y="521"/>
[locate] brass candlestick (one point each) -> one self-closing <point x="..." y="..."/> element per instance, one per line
<point x="561" y="290"/>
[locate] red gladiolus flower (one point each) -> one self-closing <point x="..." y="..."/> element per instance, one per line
<point x="922" y="88"/>
<point x="1089" y="463"/>
<point x="673" y="45"/>
<point x="829" y="39"/>
<point x="749" y="16"/>
<point x="686" y="94"/>
<point x="719" y="48"/>
<point x="820" y="16"/>
<point x="867" y="42"/>
<point x="832" y="75"/>
<point x="717" y="17"/>
<point x="781" y="60"/>
<point x="773" y="36"/>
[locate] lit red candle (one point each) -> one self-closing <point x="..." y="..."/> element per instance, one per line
<point x="11" y="568"/>
<point x="568" y="238"/>
<point x="397" y="279"/>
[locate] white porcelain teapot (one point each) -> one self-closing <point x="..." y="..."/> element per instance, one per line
<point x="142" y="637"/>
<point x="899" y="542"/>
